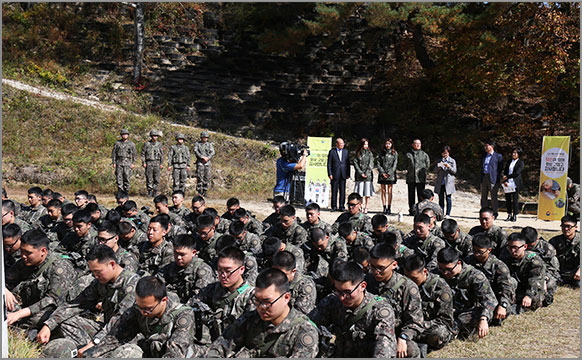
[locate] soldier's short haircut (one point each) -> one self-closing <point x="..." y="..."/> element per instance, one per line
<point x="57" y="195"/>
<point x="92" y="208"/>
<point x="184" y="241"/>
<point x="389" y="238"/>
<point x="113" y="216"/>
<point x="516" y="237"/>
<point x="449" y="226"/>
<point x="361" y="254"/>
<point x="199" y="199"/>
<point x="426" y="194"/>
<point x="102" y="253"/>
<point x="92" y="198"/>
<point x="47" y="193"/>
<point x="151" y="286"/>
<point x="129" y="205"/>
<point x="8" y="205"/>
<point x="336" y="265"/>
<point x="413" y="263"/>
<point x="57" y="204"/>
<point x="271" y="246"/>
<point x="178" y="192"/>
<point x="162" y="219"/>
<point x="35" y="190"/>
<point x="68" y="209"/>
<point x="383" y="251"/>
<point x="447" y="255"/>
<point x="482" y="241"/>
<point x="313" y="206"/>
<point x="204" y="221"/>
<point x="317" y="234"/>
<point x="82" y="216"/>
<point x="422" y="218"/>
<point x="274" y="277"/>
<point x="121" y="195"/>
<point x="350" y="271"/>
<point x="109" y="226"/>
<point x="530" y="234"/>
<point x="11" y="230"/>
<point x="233" y="253"/>
<point x="355" y="196"/>
<point x="82" y="193"/>
<point x="379" y="220"/>
<point x="239" y="214"/>
<point x="569" y="219"/>
<point x="210" y="211"/>
<point x="4" y="193"/>
<point x="280" y="200"/>
<point x="232" y="202"/>
<point x="236" y="228"/>
<point x="284" y="259"/>
<point x="163" y="199"/>
<point x="223" y="241"/>
<point x="287" y="210"/>
<point x="124" y="227"/>
<point x="345" y="229"/>
<point x="428" y="211"/>
<point x="488" y="210"/>
<point x="35" y="238"/>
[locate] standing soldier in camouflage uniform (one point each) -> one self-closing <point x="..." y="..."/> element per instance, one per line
<point x="302" y="287"/>
<point x="123" y="158"/>
<point x="437" y="304"/>
<point x="287" y="229"/>
<point x="152" y="158"/>
<point x="157" y="252"/>
<point x="274" y="329"/>
<point x="417" y="163"/>
<point x="402" y="294"/>
<point x="204" y="152"/>
<point x="473" y="297"/>
<point x="456" y="238"/>
<point x="548" y="254"/>
<point x="362" y="324"/>
<point x="567" y="248"/>
<point x="179" y="159"/>
<point x="360" y="220"/>
<point x="497" y="235"/>
<point x="425" y="243"/>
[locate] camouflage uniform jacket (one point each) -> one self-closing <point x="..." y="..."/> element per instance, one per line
<point x="133" y="243"/>
<point x="362" y="239"/>
<point x="172" y="335"/>
<point x="223" y="225"/>
<point x="471" y="290"/>
<point x="33" y="215"/>
<point x="250" y="336"/>
<point x="370" y="336"/>
<point x="176" y="220"/>
<point x="437" y="302"/>
<point x="463" y="244"/>
<point x="568" y="253"/>
<point x="402" y="251"/>
<point x="417" y="163"/>
<point x="115" y="297"/>
<point x="548" y="253"/>
<point x="404" y="297"/>
<point x="250" y="242"/>
<point x="42" y="287"/>
<point x="497" y="235"/>
<point x="303" y="293"/>
<point x="152" y="259"/>
<point x="437" y="231"/>
<point x="335" y="248"/>
<point x="390" y="229"/>
<point x="203" y="150"/>
<point x="182" y="210"/>
<point x="321" y="225"/>
<point x="127" y="259"/>
<point x="387" y="163"/>
<point x="152" y="151"/>
<point x="73" y="243"/>
<point x="299" y="257"/>
<point x="360" y="222"/>
<point x="179" y="156"/>
<point x="294" y="234"/>
<point x="208" y="250"/>
<point x="363" y="165"/>
<point x="427" y="248"/>
<point x="254" y="225"/>
<point x="173" y="231"/>
<point x="499" y="277"/>
<point x="24" y="226"/>
<point x="187" y="282"/>
<point x="530" y="273"/>
<point x="420" y="206"/>
<point x="124" y="153"/>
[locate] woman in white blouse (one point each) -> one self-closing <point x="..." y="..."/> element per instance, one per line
<point x="512" y="176"/>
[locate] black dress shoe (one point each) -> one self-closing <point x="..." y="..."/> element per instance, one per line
<point x="342" y="209"/>
<point x="333" y="209"/>
<point x="514" y="218"/>
<point x="509" y="217"/>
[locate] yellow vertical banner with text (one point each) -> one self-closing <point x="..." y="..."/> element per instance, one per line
<point x="317" y="184"/>
<point x="553" y="177"/>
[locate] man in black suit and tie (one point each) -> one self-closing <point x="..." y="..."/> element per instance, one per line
<point x="491" y="168"/>
<point x="338" y="170"/>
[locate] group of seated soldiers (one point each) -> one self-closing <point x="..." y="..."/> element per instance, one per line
<point x="90" y="282"/>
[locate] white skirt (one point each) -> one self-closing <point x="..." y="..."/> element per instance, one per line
<point x="364" y="188"/>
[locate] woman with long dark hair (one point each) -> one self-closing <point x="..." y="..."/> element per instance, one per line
<point x="364" y="164"/>
<point x="513" y="171"/>
<point x="387" y="162"/>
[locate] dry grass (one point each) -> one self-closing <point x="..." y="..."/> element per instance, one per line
<point x="19" y="346"/>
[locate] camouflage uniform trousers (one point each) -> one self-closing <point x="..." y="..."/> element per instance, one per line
<point x="467" y="322"/>
<point x="435" y="336"/>
<point x="179" y="176"/>
<point x="80" y="330"/>
<point x="122" y="175"/>
<point x="202" y="177"/>
<point x="152" y="173"/>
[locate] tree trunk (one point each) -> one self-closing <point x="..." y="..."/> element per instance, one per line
<point x="139" y="42"/>
<point x="420" y="48"/>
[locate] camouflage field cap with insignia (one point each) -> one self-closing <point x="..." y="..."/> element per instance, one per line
<point x="155" y="133"/>
<point x="124" y="131"/>
<point x="204" y="134"/>
<point x="180" y="136"/>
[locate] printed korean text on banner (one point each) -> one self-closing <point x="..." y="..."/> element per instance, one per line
<point x="553" y="176"/>
<point x="317" y="186"/>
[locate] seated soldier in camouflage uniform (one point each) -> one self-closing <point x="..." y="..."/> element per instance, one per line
<point x="62" y="229"/>
<point x="221" y="225"/>
<point x="198" y="207"/>
<point x="108" y="234"/>
<point x="320" y="252"/>
<point x="548" y="254"/>
<point x="161" y="205"/>
<point x="425" y="243"/>
<point x="435" y="229"/>
<point x="81" y="198"/>
<point x="36" y="210"/>
<point x="187" y="274"/>
<point x="287" y="228"/>
<point x="454" y="237"/>
<point x="130" y="236"/>
<point x="178" y="201"/>
<point x="363" y="324"/>
<point x="11" y="234"/>
<point x="48" y="222"/>
<point x="497" y="273"/>
<point x="138" y="217"/>
<point x="401" y="293"/>
<point x="227" y="298"/>
<point x="529" y="270"/>
<point x="207" y="236"/>
<point x="251" y="224"/>
<point x="17" y="205"/>
<point x="497" y="234"/>
<point x="9" y="217"/>
<point x="402" y="251"/>
<point x="88" y="318"/>
<point x="278" y="202"/>
<point x="301" y="287"/>
<point x="437" y="305"/>
<point x="247" y="241"/>
<point x="96" y="214"/>
<point x="158" y="325"/>
<point x="274" y="329"/>
<point x="352" y="238"/>
<point x="567" y="248"/>
<point x="573" y="191"/>
<point x="273" y="245"/>
<point x="41" y="279"/>
<point x="473" y="297"/>
<point x="361" y="256"/>
<point x="232" y="205"/>
<point x="312" y="213"/>
<point x="359" y="220"/>
<point x="157" y="252"/>
<point x="251" y="262"/>
<point x="380" y="226"/>
<point x="427" y="202"/>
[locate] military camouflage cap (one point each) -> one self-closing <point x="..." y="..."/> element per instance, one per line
<point x="155" y="133"/>
<point x="60" y="348"/>
<point x="204" y="134"/>
<point x="180" y="136"/>
<point x="124" y="131"/>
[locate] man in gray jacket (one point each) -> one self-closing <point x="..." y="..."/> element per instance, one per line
<point x="417" y="163"/>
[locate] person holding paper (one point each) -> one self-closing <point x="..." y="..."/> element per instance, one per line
<point x="445" y="181"/>
<point x="512" y="183"/>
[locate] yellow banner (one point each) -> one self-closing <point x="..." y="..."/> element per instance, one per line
<point x="317" y="184"/>
<point x="553" y="175"/>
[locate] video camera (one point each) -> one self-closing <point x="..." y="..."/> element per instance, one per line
<point x="292" y="152"/>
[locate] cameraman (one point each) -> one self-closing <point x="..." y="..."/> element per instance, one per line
<point x="285" y="170"/>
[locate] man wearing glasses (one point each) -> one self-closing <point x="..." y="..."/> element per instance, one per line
<point x="207" y="237"/>
<point x="568" y="249"/>
<point x="401" y="293"/>
<point x="9" y="217"/>
<point x="359" y="220"/>
<point x="474" y="300"/>
<point x="363" y="323"/>
<point x="11" y="234"/>
<point x="108" y="234"/>
<point x="273" y="329"/>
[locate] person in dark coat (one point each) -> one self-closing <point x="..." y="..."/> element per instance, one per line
<point x="338" y="170"/>
<point x="491" y="168"/>
<point x="513" y="171"/>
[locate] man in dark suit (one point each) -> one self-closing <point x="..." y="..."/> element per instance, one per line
<point x="338" y="170"/>
<point x="491" y="168"/>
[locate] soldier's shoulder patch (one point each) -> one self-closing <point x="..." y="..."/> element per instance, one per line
<point x="60" y="271"/>
<point x="308" y="289"/>
<point x="202" y="272"/>
<point x="248" y="263"/>
<point x="413" y="290"/>
<point x="306" y="339"/>
<point x="445" y="297"/>
<point x="384" y="312"/>
<point x="182" y="321"/>
<point x="480" y="276"/>
<point x="129" y="289"/>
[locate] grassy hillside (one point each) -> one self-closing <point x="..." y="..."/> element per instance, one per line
<point x="68" y="146"/>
